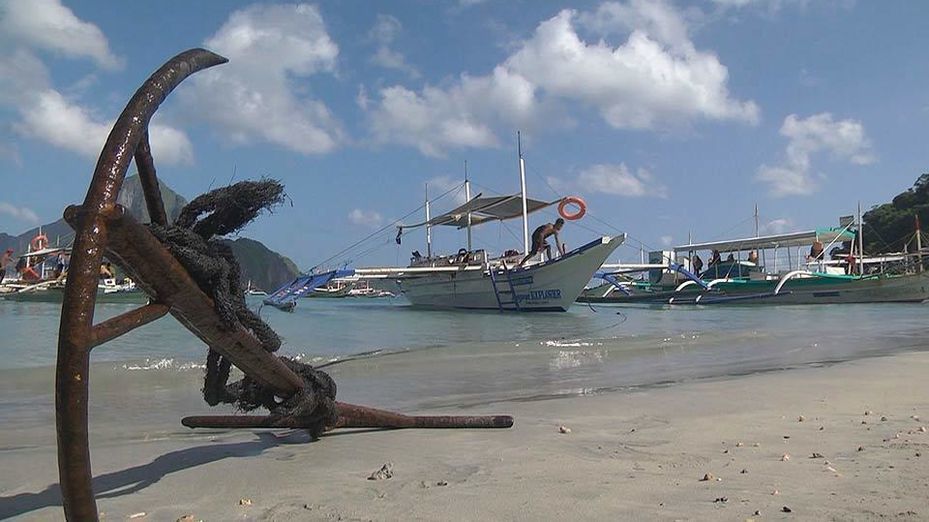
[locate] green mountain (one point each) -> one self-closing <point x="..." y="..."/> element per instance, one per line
<point x="265" y="268"/>
<point x="889" y="227"/>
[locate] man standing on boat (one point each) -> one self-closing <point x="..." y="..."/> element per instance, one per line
<point x="538" y="240"/>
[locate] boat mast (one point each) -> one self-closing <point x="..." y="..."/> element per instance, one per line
<point x="756" y="219"/>
<point x="522" y="184"/>
<point x="468" y="199"/>
<point x="919" y="245"/>
<point x="860" y="242"/>
<point x="428" y="227"/>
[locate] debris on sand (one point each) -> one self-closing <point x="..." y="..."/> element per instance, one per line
<point x="564" y="429"/>
<point x="140" y="514"/>
<point x="442" y="483"/>
<point x="786" y="457"/>
<point x="188" y="518"/>
<point x="245" y="502"/>
<point x="868" y="412"/>
<point x="386" y="471"/>
<point x="708" y="477"/>
<point x="816" y="455"/>
<point x="786" y="509"/>
<point x="721" y="500"/>
<point x="801" y="418"/>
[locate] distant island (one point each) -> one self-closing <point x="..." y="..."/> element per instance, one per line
<point x="265" y="268"/>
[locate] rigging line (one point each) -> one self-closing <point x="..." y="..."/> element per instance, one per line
<point x="382" y="229"/>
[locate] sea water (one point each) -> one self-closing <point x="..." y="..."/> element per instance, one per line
<point x="384" y="353"/>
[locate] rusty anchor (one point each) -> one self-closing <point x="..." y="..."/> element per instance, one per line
<point x="104" y="228"/>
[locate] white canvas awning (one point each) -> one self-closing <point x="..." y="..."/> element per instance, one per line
<point x="483" y="209"/>
<point x="793" y="239"/>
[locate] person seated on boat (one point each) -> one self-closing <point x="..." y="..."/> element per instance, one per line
<point x="714" y="258"/>
<point x="731" y="258"/>
<point x="816" y="251"/>
<point x="463" y="257"/>
<point x="850" y="266"/>
<point x="61" y="265"/>
<point x="538" y="240"/>
<point x="5" y="262"/>
<point x="27" y="273"/>
<point x="696" y="264"/>
<point x="106" y="271"/>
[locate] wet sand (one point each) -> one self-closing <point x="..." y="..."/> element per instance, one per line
<point x="841" y="442"/>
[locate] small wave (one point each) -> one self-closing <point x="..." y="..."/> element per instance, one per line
<point x="162" y="364"/>
<point x="574" y="358"/>
<point x="570" y="344"/>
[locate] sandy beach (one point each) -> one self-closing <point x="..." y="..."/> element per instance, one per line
<point x="841" y="442"/>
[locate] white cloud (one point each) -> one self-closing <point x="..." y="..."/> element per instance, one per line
<point x="618" y="180"/>
<point x="18" y="213"/>
<point x="365" y="218"/>
<point x="50" y="26"/>
<point x="845" y="140"/>
<point x="384" y="32"/>
<point x="256" y="96"/>
<point x="54" y="119"/>
<point x="44" y="112"/>
<point x="655" y="79"/>
<point x="666" y="240"/>
<point x="776" y="226"/>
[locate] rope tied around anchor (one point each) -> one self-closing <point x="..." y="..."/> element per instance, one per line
<point x="195" y="241"/>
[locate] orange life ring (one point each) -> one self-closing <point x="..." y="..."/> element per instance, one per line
<point x="572" y="200"/>
<point x="39" y="242"/>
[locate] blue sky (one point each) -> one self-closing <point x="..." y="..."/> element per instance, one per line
<point x="669" y="118"/>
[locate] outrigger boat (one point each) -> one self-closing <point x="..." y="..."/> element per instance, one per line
<point x="671" y="279"/>
<point x="472" y="279"/>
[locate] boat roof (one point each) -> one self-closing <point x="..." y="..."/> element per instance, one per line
<point x="483" y="209"/>
<point x="793" y="239"/>
<point x="46" y="251"/>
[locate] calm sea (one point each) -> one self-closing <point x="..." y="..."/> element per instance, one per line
<point x="395" y="356"/>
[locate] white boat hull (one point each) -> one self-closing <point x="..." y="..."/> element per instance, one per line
<point x="550" y="286"/>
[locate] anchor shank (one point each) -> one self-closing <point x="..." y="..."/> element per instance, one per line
<point x="133" y="247"/>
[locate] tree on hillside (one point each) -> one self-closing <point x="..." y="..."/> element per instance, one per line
<point x="889" y="227"/>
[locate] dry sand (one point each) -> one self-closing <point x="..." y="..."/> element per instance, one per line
<point x="859" y="452"/>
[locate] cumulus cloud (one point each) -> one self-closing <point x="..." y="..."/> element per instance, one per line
<point x="776" y="226"/>
<point x="18" y="213"/>
<point x="845" y="140"/>
<point x="56" y="120"/>
<point x="270" y="48"/>
<point x="654" y="79"/>
<point x="50" y="26"/>
<point x="618" y="180"/>
<point x="365" y="218"/>
<point x="47" y="114"/>
<point x="384" y="32"/>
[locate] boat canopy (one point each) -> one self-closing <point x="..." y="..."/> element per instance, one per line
<point x="46" y="251"/>
<point x="794" y="239"/>
<point x="483" y="209"/>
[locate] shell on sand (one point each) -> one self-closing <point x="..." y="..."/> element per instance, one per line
<point x="564" y="429"/>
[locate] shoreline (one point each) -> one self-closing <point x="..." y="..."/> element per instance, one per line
<point x="634" y="454"/>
